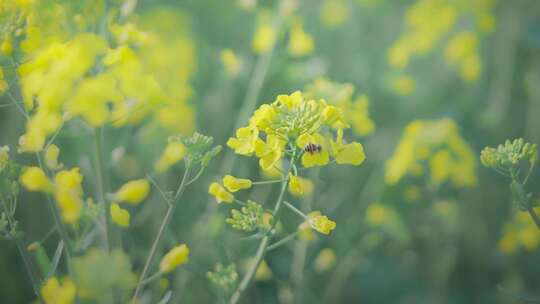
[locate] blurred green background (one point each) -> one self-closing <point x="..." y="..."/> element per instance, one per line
<point x="454" y="256"/>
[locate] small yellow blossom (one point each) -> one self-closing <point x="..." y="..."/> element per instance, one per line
<point x="176" y="257"/>
<point x="316" y="158"/>
<point x="231" y="62"/>
<point x="220" y="193"/>
<point x="403" y="85"/>
<point x="68" y="194"/>
<point x="234" y="184"/>
<point x="174" y="152"/>
<point x="119" y="216"/>
<point x="300" y="43"/>
<point x="244" y="142"/>
<point x="269" y="152"/>
<point x="55" y="293"/>
<point x="352" y="153"/>
<point x="325" y="260"/>
<point x="34" y="179"/>
<point x="299" y="186"/>
<point x="264" y="38"/>
<point x="377" y="214"/>
<point x="321" y="223"/>
<point x="133" y="192"/>
<point x="51" y="157"/>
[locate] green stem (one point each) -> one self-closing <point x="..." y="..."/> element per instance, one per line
<point x="100" y="185"/>
<point x="58" y="223"/>
<point x="534" y="216"/>
<point x="295" y="210"/>
<point x="267" y="182"/>
<point x="152" y="278"/>
<point x="166" y="220"/>
<point x="34" y="278"/>
<point x="282" y="242"/>
<point x="262" y="245"/>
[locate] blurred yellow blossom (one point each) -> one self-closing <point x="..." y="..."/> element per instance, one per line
<point x="403" y="85"/>
<point x="3" y="82"/>
<point x="325" y="260"/>
<point x="176" y="257"/>
<point x="265" y="36"/>
<point x="119" y="216"/>
<point x="51" y="157"/>
<point x="34" y="179"/>
<point x="520" y="232"/>
<point x="68" y="194"/>
<point x="300" y="42"/>
<point x="55" y="293"/>
<point x="173" y="153"/>
<point x="299" y="186"/>
<point x="133" y="192"/>
<point x="333" y="12"/>
<point x="231" y="62"/>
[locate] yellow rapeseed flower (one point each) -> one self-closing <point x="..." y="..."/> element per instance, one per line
<point x="34" y="179"/>
<point x="234" y="184"/>
<point x="119" y="216"/>
<point x="51" y="157"/>
<point x="352" y="153"/>
<point x="174" y="152"/>
<point x="231" y="62"/>
<point x="221" y="195"/>
<point x="321" y="223"/>
<point x="315" y="158"/>
<point x="68" y="194"/>
<point x="244" y="142"/>
<point x="299" y="186"/>
<point x="264" y="38"/>
<point x="133" y="192"/>
<point x="55" y="293"/>
<point x="300" y="42"/>
<point x="176" y="257"/>
<point x="269" y="152"/>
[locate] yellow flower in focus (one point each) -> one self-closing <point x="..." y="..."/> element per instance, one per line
<point x="51" y="157"/>
<point x="55" y="293"/>
<point x="220" y="193"/>
<point x="325" y="260"/>
<point x="300" y="43"/>
<point x="119" y="216"/>
<point x="315" y="158"/>
<point x="333" y="116"/>
<point x="299" y="186"/>
<point x="133" y="192"/>
<point x="269" y="152"/>
<point x="352" y="153"/>
<point x="234" y="184"/>
<point x="244" y="142"/>
<point x="403" y="85"/>
<point x="231" y="62"/>
<point x="264" y="38"/>
<point x="321" y="223"/>
<point x="178" y="256"/>
<point x="34" y="179"/>
<point x="174" y="152"/>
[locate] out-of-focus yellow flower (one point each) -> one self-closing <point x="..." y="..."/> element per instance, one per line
<point x="231" y="62"/>
<point x="462" y="52"/>
<point x="377" y="214"/>
<point x="178" y="256"/>
<point x="300" y="42"/>
<point x="3" y="82"/>
<point x="234" y="184"/>
<point x="38" y="127"/>
<point x="334" y="12"/>
<point x="403" y="85"/>
<point x="34" y="179"/>
<point x="174" y="152"/>
<point x="263" y="272"/>
<point x="352" y="153"/>
<point x="51" y="157"/>
<point x="325" y="260"/>
<point x="133" y="192"/>
<point x="244" y="142"/>
<point x="315" y="158"/>
<point x="520" y="232"/>
<point x="299" y="186"/>
<point x="55" y="293"/>
<point x="441" y="165"/>
<point x="119" y="216"/>
<point x="68" y="194"/>
<point x="6" y="47"/>
<point x="221" y="195"/>
<point x="321" y="223"/>
<point x="269" y="152"/>
<point x="264" y="38"/>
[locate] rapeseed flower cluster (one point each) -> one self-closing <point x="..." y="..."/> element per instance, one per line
<point x="437" y="146"/>
<point x="520" y="232"/>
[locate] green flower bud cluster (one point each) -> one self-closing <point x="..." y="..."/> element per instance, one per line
<point x="508" y="156"/>
<point x="248" y="218"/>
<point x="199" y="148"/>
<point x="223" y="277"/>
<point x="9" y="176"/>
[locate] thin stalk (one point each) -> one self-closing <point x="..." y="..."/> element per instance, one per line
<point x="267" y="182"/>
<point x="282" y="242"/>
<point x="58" y="222"/>
<point x="34" y="278"/>
<point x="166" y="220"/>
<point x="100" y="185"/>
<point x="152" y="278"/>
<point x="295" y="210"/>
<point x="534" y="216"/>
<point x="262" y="247"/>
